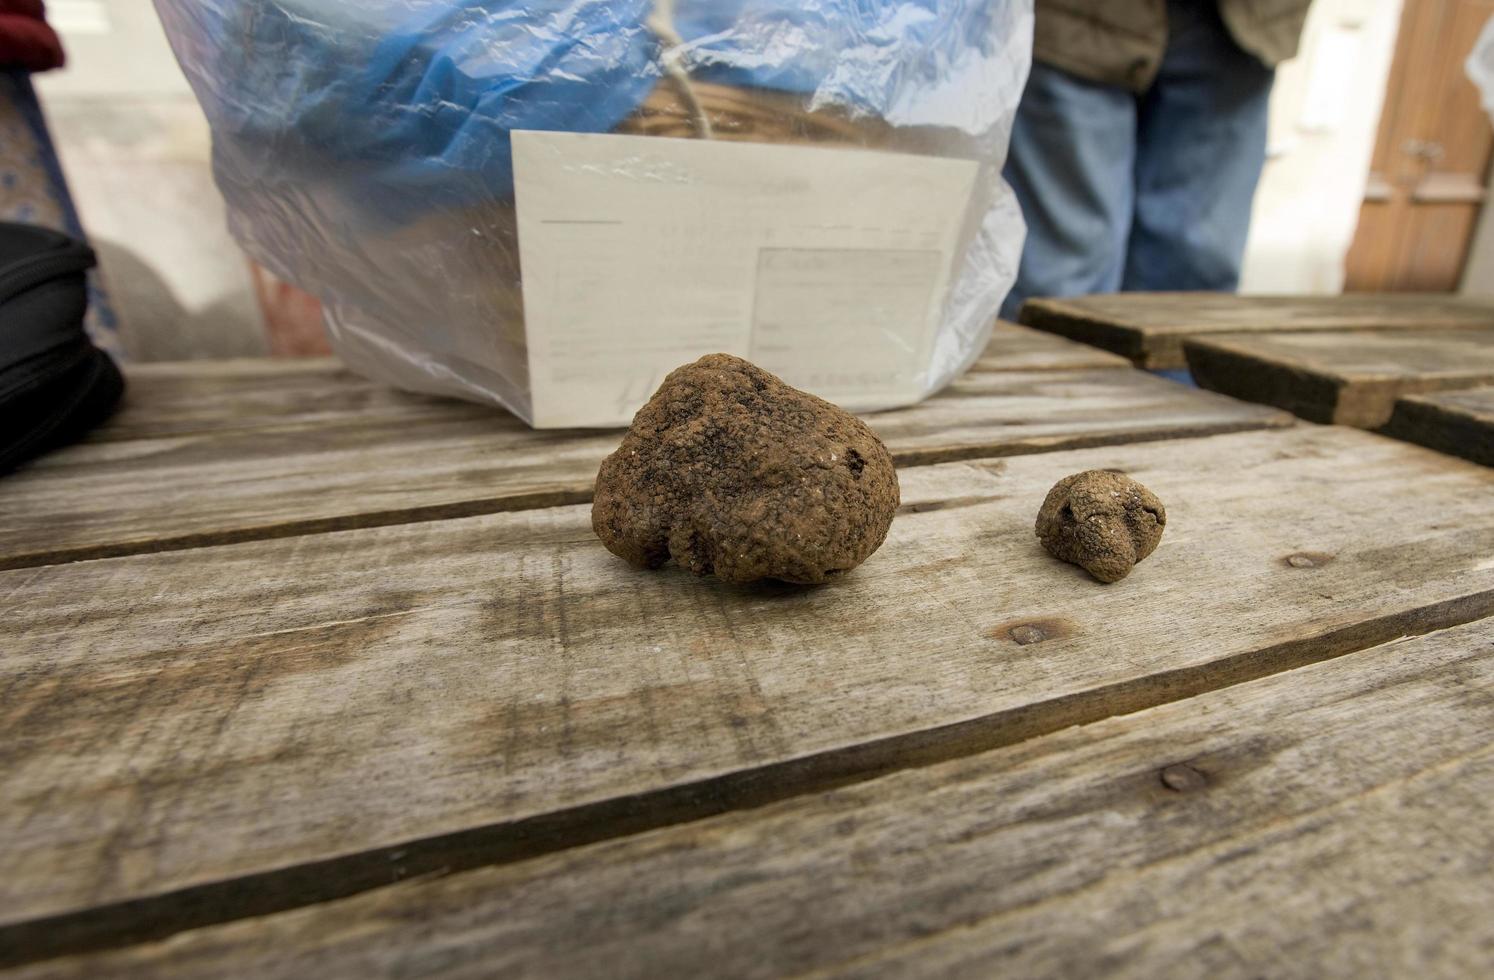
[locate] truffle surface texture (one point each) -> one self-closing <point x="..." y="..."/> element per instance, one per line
<point x="1103" y="521"/>
<point x="731" y="472"/>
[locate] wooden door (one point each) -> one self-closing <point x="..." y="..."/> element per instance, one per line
<point x="1427" y="177"/>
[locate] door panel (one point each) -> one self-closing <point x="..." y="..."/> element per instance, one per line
<point x="1432" y="154"/>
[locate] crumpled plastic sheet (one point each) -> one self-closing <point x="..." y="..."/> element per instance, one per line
<point x="362" y="146"/>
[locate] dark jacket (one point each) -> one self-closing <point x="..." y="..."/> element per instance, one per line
<point x="26" y="42"/>
<point x="1120" y="42"/>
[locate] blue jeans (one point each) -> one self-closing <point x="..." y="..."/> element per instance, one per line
<point x="1148" y="192"/>
<point x="34" y="192"/>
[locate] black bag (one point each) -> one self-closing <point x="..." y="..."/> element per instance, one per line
<point x="55" y="384"/>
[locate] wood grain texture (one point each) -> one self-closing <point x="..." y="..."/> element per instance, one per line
<point x="1348" y="377"/>
<point x="1018" y="348"/>
<point x="397" y="700"/>
<point x="1457" y="422"/>
<point x="1329" y="821"/>
<point x="193" y="397"/>
<point x="239" y="483"/>
<point x="1149" y="328"/>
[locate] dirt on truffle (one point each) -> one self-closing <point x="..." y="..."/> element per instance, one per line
<point x="1102" y="521"/>
<point x="731" y="472"/>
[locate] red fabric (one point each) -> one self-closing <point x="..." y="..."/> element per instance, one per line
<point x="26" y="42"/>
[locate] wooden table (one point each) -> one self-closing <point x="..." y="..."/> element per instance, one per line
<point x="1348" y="377"/>
<point x="1456" y="422"/>
<point x="1150" y="328"/>
<point x="303" y="677"/>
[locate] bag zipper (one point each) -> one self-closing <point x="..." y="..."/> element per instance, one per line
<point x="37" y="269"/>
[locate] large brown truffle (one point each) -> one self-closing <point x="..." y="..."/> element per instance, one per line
<point x="728" y="470"/>
<point x="1102" y="521"/>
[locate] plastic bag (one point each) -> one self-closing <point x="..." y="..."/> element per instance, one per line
<point x="364" y="146"/>
<point x="1480" y="66"/>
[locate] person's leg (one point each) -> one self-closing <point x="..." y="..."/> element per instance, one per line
<point x="1201" y="143"/>
<point x="1070" y="164"/>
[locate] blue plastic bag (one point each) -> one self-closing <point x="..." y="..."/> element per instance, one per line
<point x="363" y="146"/>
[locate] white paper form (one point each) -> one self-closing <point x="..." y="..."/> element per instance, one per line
<point x="827" y="267"/>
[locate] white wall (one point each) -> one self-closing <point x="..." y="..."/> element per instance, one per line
<point x="135" y="148"/>
<point x="1478" y="274"/>
<point x="1325" y="111"/>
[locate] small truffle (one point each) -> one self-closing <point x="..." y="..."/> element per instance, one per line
<point x="1102" y="521"/>
<point x="728" y="470"/>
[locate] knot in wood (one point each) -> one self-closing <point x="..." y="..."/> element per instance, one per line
<point x="1308" y="559"/>
<point x="1024" y="635"/>
<point x="1183" y="778"/>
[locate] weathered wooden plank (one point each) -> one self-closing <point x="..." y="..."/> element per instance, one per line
<point x="1149" y="328"/>
<point x="192" y="397"/>
<point x="1018" y="348"/>
<point x="395" y="700"/>
<point x="1330" y="821"/>
<point x="140" y="495"/>
<point x="1350" y="378"/>
<point x="1456" y="422"/>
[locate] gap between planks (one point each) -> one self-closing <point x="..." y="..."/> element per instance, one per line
<point x="1282" y="827"/>
<point x="561" y="496"/>
<point x="156" y="917"/>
